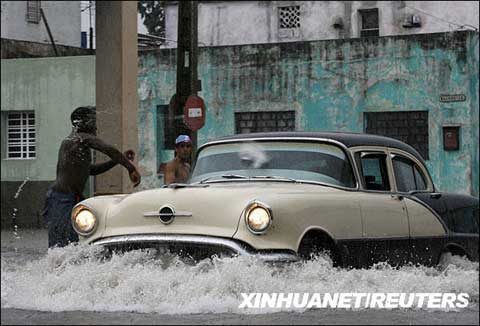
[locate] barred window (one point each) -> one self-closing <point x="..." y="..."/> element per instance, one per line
<point x="289" y="17"/>
<point x="247" y="122"/>
<point x="21" y="138"/>
<point x="33" y="12"/>
<point x="411" y="127"/>
<point x="369" y="22"/>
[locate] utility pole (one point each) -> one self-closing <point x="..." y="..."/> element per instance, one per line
<point x="91" y="28"/>
<point x="187" y="59"/>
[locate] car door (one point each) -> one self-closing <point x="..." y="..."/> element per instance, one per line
<point x="427" y="231"/>
<point x="384" y="217"/>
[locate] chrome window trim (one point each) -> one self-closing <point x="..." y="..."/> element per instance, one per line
<point x="394" y="152"/>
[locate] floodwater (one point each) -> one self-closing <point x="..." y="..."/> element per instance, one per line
<point x="76" y="285"/>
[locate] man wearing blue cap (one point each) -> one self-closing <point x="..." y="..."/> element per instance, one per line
<point x="178" y="169"/>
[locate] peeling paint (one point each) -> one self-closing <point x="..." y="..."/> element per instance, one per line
<point x="330" y="84"/>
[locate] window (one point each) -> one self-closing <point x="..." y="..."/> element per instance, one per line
<point x="407" y="175"/>
<point x="411" y="127"/>
<point x="289" y="17"/>
<point x="374" y="171"/>
<point x="247" y="122"/>
<point x="165" y="129"/>
<point x="21" y="140"/>
<point x="33" y="12"/>
<point x="369" y="22"/>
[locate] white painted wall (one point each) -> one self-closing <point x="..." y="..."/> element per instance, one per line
<point x="250" y="22"/>
<point x="63" y="19"/>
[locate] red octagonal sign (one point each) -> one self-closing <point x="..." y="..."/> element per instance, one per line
<point x="194" y="112"/>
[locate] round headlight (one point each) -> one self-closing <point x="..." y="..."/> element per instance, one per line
<point x="83" y="220"/>
<point x="258" y="218"/>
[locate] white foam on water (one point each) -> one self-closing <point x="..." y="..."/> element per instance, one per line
<point x="77" y="277"/>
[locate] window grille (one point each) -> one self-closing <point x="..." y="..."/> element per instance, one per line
<point x="289" y="17"/>
<point x="247" y="122"/>
<point x="369" y="22"/>
<point x="33" y="12"/>
<point x="410" y="127"/>
<point x="21" y="138"/>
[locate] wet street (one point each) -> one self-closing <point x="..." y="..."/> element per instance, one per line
<point x="75" y="285"/>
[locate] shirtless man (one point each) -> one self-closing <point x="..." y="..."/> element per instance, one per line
<point x="73" y="169"/>
<point x="178" y="169"/>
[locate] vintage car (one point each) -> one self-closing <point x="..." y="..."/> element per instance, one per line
<point x="287" y="196"/>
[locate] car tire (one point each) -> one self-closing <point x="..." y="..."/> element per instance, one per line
<point x="318" y="244"/>
<point x="451" y="258"/>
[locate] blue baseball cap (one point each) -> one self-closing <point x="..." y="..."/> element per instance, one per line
<point x="183" y="139"/>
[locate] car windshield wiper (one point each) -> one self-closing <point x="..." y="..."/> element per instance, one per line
<point x="226" y="176"/>
<point x="184" y="185"/>
<point x="275" y="177"/>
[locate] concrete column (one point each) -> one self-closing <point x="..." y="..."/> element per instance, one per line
<point x="116" y="87"/>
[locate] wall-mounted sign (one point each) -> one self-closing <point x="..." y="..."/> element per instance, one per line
<point x="453" y="98"/>
<point x="451" y="138"/>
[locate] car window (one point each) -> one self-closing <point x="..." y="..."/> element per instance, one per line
<point x="407" y="175"/>
<point x="374" y="171"/>
<point x="419" y="179"/>
<point x="307" y="161"/>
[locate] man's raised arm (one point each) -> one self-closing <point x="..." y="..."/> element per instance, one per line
<point x="115" y="155"/>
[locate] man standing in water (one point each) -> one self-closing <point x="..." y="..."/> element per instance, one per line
<point x="73" y="169"/>
<point x="178" y="169"/>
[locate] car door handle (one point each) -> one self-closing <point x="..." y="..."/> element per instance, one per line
<point x="397" y="197"/>
<point x="436" y="195"/>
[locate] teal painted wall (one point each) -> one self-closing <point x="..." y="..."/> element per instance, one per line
<point x="330" y="84"/>
<point x="52" y="88"/>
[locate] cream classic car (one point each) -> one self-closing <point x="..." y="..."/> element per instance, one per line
<point x="287" y="196"/>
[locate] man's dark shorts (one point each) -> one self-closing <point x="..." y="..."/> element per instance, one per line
<point x="58" y="207"/>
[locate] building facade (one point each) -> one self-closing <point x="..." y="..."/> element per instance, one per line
<point x="421" y="89"/>
<point x="253" y="22"/>
<point x="37" y="97"/>
<point x="22" y="20"/>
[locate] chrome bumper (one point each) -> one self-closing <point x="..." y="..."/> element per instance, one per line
<point x="180" y="239"/>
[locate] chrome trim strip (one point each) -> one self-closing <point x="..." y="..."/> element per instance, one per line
<point x="177" y="214"/>
<point x="195" y="239"/>
<point x="314" y="139"/>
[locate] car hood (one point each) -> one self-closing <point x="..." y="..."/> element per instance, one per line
<point x="215" y="209"/>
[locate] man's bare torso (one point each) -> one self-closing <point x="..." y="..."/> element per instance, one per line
<point x="73" y="167"/>
<point x="181" y="171"/>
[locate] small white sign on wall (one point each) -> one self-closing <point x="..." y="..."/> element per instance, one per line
<point x="195" y="113"/>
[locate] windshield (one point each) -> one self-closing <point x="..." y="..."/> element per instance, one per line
<point x="302" y="161"/>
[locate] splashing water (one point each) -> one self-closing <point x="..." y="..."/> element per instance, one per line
<point x="78" y="277"/>
<point x="20" y="188"/>
<point x="15" y="210"/>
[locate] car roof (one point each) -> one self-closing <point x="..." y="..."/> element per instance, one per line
<point x="349" y="139"/>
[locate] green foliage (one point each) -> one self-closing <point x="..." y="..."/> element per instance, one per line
<point x="153" y="15"/>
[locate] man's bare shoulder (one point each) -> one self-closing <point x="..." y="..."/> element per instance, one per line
<point x="170" y="164"/>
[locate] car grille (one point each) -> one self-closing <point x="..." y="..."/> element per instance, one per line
<point x="196" y="252"/>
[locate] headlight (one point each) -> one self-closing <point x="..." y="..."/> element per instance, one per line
<point x="258" y="217"/>
<point x="83" y="220"/>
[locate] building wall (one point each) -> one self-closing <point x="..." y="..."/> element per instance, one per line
<point x="52" y="88"/>
<point x="63" y="19"/>
<point x="330" y="84"/>
<point x="252" y="22"/>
